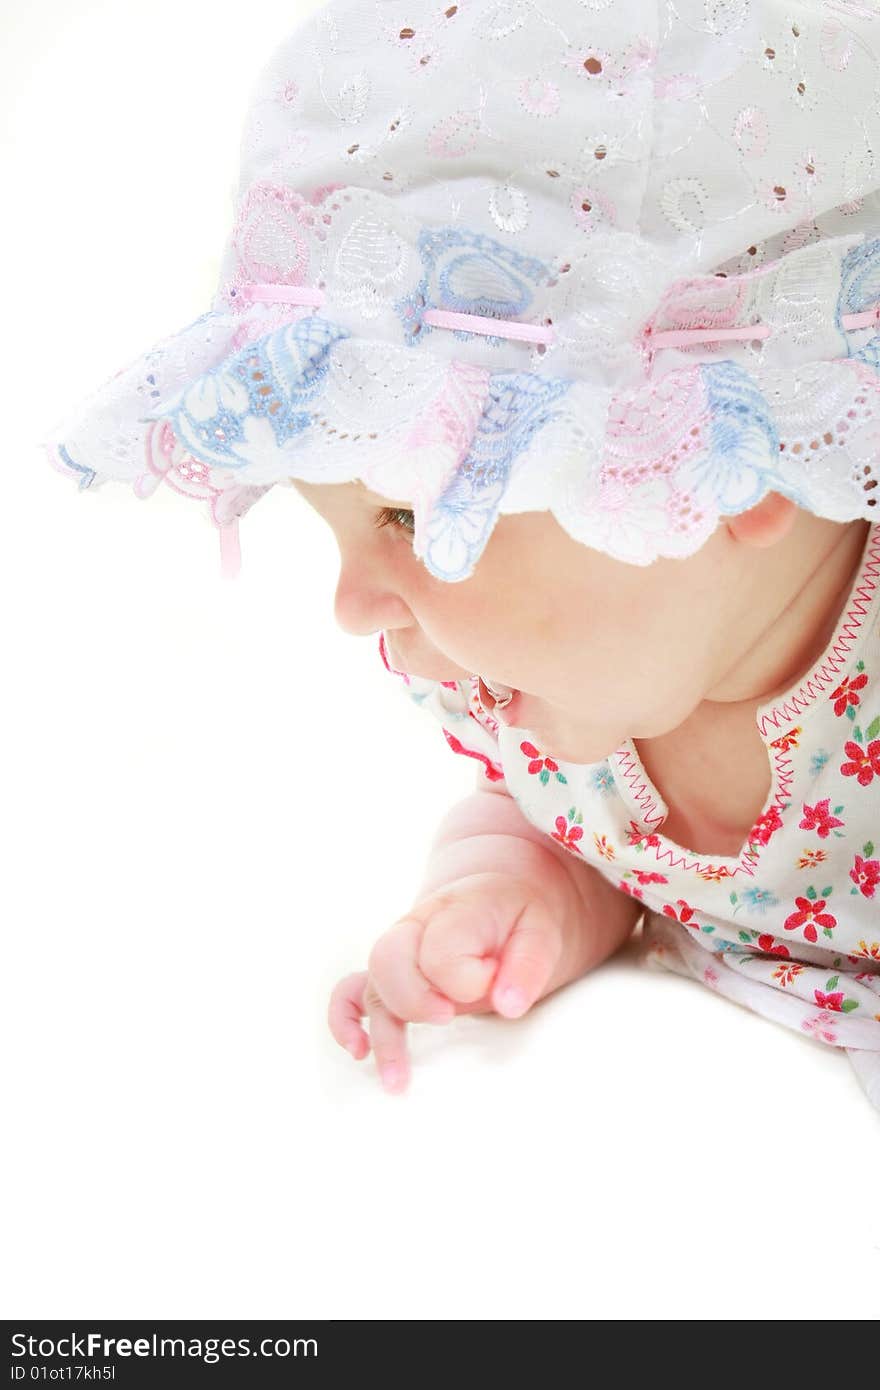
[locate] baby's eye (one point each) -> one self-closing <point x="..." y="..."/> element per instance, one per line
<point x="397" y="517"/>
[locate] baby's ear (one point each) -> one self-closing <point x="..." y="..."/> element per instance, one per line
<point x="770" y="521"/>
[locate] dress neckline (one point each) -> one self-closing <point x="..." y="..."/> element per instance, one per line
<point x="775" y="720"/>
<point x="853" y="622"/>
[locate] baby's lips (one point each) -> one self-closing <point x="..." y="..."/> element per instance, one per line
<point x="494" y="695"/>
<point x="502" y="701"/>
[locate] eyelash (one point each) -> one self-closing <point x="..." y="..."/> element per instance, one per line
<point x="391" y="516"/>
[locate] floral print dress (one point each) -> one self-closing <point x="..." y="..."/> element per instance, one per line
<point x="789" y="927"/>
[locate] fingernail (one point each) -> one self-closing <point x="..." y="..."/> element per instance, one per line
<point x="393" y="1077"/>
<point x="512" y="1002"/>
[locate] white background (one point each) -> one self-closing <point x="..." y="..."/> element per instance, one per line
<point x="214" y="801"/>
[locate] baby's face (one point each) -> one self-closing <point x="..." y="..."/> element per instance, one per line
<point x="602" y="650"/>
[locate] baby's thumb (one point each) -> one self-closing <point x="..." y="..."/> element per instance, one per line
<point x="527" y="962"/>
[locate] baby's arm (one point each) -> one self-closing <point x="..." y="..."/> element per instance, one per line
<point x="502" y="918"/>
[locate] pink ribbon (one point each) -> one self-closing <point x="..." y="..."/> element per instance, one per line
<point x="678" y="337"/>
<point x="436" y="318"/>
<point x="533" y="333"/>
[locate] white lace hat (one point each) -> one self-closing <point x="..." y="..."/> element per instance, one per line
<point x="615" y="260"/>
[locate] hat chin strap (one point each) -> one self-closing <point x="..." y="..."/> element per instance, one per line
<point x="230" y="549"/>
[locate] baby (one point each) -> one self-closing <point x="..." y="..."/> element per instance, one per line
<point x="678" y="656"/>
<point x="566" y="318"/>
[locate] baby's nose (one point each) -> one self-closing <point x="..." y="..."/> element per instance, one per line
<point x="362" y="609"/>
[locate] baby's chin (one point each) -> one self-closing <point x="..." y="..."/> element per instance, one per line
<point x="578" y="754"/>
<point x="559" y="737"/>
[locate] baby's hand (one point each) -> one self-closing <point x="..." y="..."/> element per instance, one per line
<point x="481" y="943"/>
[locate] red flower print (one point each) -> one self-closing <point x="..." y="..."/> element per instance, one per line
<point x="829" y="1001"/>
<point x="568" y="835"/>
<point x="809" y="915"/>
<point x="865" y="762"/>
<point x="787" y="741"/>
<point x="765" y="826"/>
<point x="644" y="877"/>
<point x="636" y="836"/>
<point x="714" y="874"/>
<point x="818" y="1026"/>
<point x="628" y="888"/>
<point x="771" y="945"/>
<point x="845" y="694"/>
<point x="684" y="916"/>
<point x="819" y="818"/>
<point x="865" y="873"/>
<point x="787" y="974"/>
<point x="835" y="999"/>
<point x="541" y="766"/>
<point x="531" y="751"/>
<point x="869" y="949"/>
<point x="811" y="857"/>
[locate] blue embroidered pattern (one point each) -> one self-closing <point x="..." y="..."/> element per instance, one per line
<point x="273" y="379"/>
<point x="449" y="278"/>
<point x="818" y="761"/>
<point x="758" y="899"/>
<point x="464" y="516"/>
<point x="602" y="779"/>
<point x="88" y="474"/>
<point x="859" y="290"/>
<point x="741" y="464"/>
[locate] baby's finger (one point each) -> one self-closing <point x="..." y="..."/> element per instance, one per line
<point x="344" y="1014"/>
<point x="528" y="961"/>
<point x="388" y="1036"/>
<point x="399" y="983"/>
